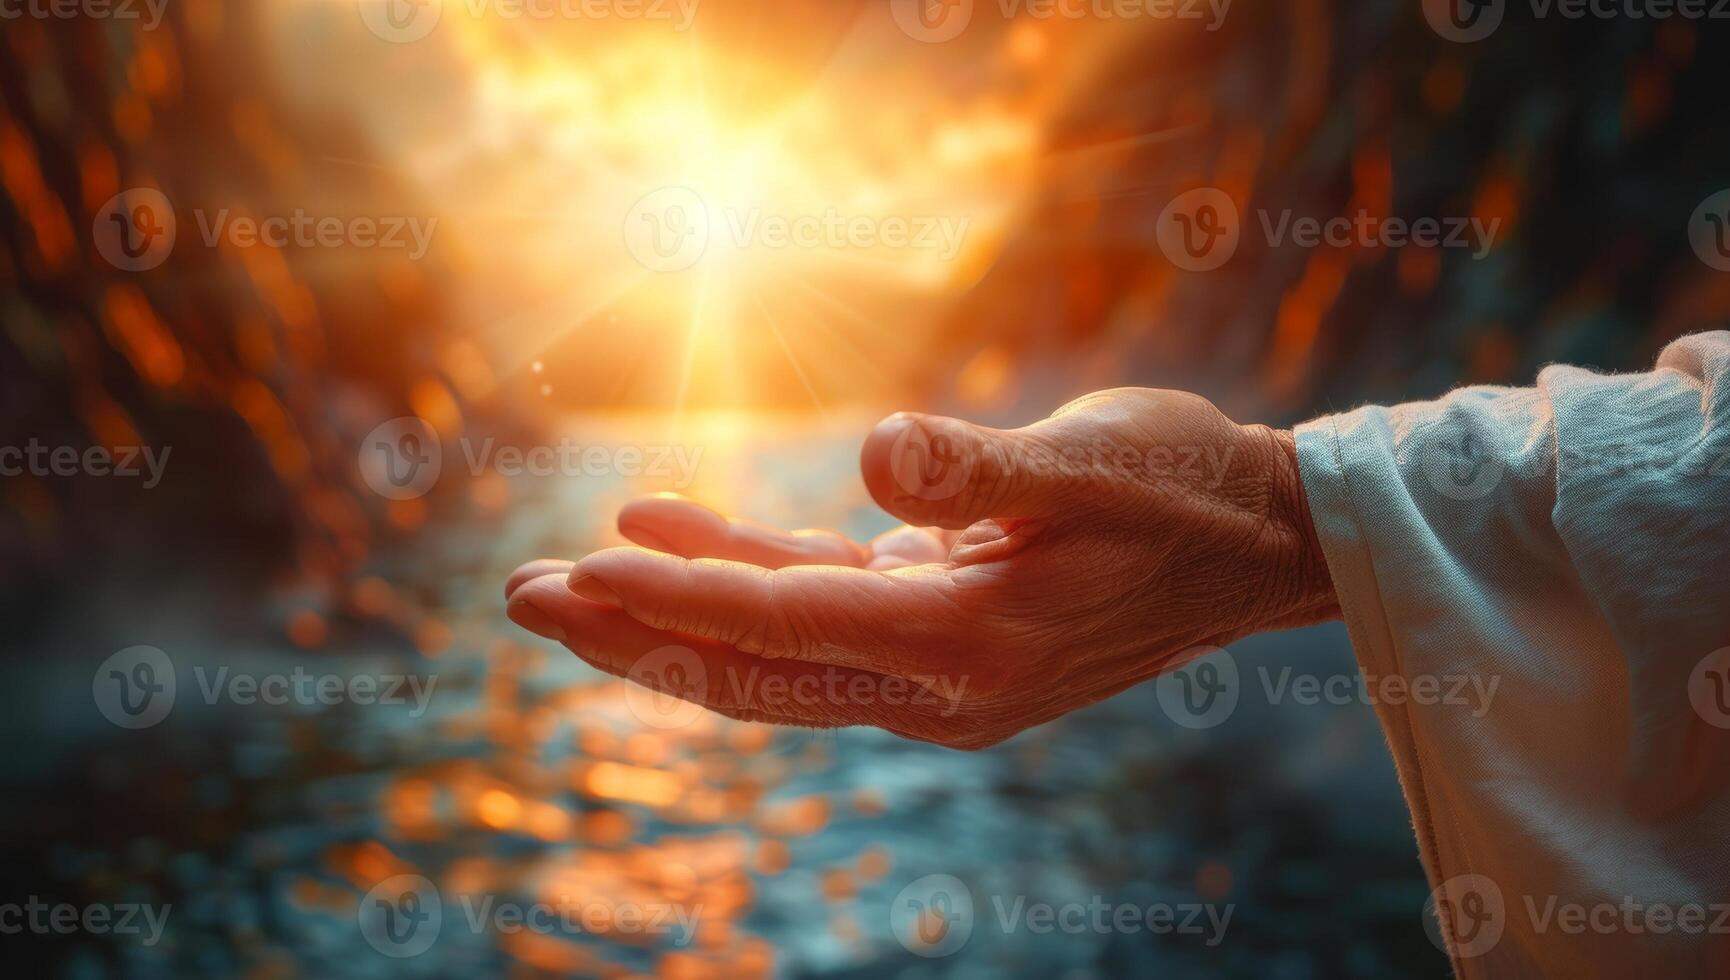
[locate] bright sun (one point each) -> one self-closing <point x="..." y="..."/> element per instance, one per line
<point x="795" y="229"/>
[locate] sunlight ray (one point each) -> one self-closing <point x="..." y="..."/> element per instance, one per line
<point x="792" y="358"/>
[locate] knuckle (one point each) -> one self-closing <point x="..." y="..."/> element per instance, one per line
<point x="778" y="633"/>
<point x="775" y="639"/>
<point x="999" y="474"/>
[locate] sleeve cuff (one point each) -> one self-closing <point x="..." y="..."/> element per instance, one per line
<point x="1323" y="451"/>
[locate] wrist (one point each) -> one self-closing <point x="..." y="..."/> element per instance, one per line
<point x="1306" y="585"/>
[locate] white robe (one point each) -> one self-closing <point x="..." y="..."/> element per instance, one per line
<point x="1571" y="541"/>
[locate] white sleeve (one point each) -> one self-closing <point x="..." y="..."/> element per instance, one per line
<point x="1562" y="551"/>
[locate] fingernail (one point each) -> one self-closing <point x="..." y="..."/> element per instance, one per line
<point x="595" y="590"/>
<point x="529" y="571"/>
<point x="892" y="427"/>
<point x="983" y="532"/>
<point x="525" y="614"/>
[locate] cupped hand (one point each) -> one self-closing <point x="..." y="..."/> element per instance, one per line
<point x="1043" y="569"/>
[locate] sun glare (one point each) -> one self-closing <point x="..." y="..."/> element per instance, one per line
<point x="761" y="222"/>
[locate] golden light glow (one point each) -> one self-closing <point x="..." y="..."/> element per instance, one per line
<point x="498" y="809"/>
<point x="631" y="784"/>
<point x="850" y="189"/>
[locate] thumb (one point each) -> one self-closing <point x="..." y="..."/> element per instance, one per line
<point x="932" y="471"/>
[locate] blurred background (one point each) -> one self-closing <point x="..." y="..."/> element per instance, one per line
<point x="573" y="212"/>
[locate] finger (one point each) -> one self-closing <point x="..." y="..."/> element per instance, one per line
<point x="535" y="569"/>
<point x="845" y="616"/>
<point x="912" y="545"/>
<point x="942" y="472"/>
<point x="701" y="671"/>
<point x="677" y="526"/>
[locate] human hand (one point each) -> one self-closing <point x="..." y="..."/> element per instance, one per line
<point x="1066" y="561"/>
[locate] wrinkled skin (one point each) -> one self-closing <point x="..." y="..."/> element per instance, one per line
<point x="1043" y="569"/>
